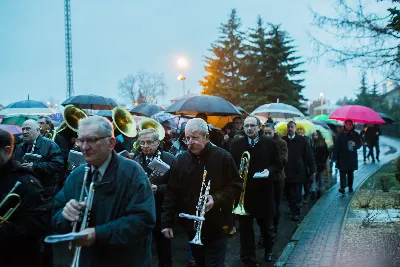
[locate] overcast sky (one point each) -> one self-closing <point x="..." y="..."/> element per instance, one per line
<point x="112" y="39"/>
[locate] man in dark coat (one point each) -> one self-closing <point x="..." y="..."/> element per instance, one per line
<point x="150" y="144"/>
<point x="237" y="129"/>
<point x="299" y="168"/>
<point x="259" y="194"/>
<point x="347" y="144"/>
<point x="48" y="169"/>
<point x="279" y="179"/>
<point x="20" y="235"/>
<point x="123" y="211"/>
<point x="185" y="183"/>
<point x="372" y="138"/>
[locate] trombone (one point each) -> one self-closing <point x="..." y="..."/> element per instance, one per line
<point x="9" y="197"/>
<point x="243" y="171"/>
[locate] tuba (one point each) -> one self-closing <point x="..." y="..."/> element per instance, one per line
<point x="148" y="123"/>
<point x="9" y="197"/>
<point x="72" y="116"/>
<point x="243" y="171"/>
<point x="200" y="210"/>
<point x="124" y="122"/>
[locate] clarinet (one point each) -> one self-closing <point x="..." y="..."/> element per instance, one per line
<point x="32" y="149"/>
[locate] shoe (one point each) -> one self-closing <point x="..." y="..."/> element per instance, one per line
<point x="341" y="190"/>
<point x="260" y="242"/>
<point x="378" y="160"/>
<point x="268" y="257"/>
<point x="319" y="194"/>
<point x="191" y="263"/>
<point x="351" y="190"/>
<point x="233" y="231"/>
<point x="312" y="197"/>
<point x="296" y="218"/>
<point x="365" y="161"/>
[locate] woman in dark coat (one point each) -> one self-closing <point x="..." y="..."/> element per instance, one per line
<point x="321" y="154"/>
<point x="347" y="144"/>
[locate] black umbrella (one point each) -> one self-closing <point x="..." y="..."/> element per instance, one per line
<point x="90" y="102"/>
<point x="147" y="109"/>
<point x="207" y="104"/>
<point x="388" y="119"/>
<point x="244" y="112"/>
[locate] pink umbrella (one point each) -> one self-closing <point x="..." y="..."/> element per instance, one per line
<point x="12" y="129"/>
<point x="356" y="113"/>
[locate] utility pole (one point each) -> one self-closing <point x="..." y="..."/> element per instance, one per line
<point x="68" y="48"/>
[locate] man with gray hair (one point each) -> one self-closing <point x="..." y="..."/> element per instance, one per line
<point x="123" y="214"/>
<point x="47" y="166"/>
<point x="149" y="143"/>
<point x="182" y="194"/>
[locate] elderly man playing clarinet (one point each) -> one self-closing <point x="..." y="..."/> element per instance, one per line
<point x="212" y="171"/>
<point x="122" y="212"/>
<point x="151" y="152"/>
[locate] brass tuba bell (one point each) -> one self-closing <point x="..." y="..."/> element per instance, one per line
<point x="72" y="116"/>
<point x="124" y="122"/>
<point x="147" y="123"/>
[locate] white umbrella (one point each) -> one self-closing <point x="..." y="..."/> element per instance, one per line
<point x="277" y="110"/>
<point x="26" y="107"/>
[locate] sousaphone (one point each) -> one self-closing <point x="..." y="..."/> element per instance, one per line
<point x="124" y="122"/>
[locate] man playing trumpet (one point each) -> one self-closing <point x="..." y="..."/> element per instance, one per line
<point x="150" y="150"/>
<point x="21" y="232"/>
<point x="122" y="215"/>
<point x="203" y="164"/>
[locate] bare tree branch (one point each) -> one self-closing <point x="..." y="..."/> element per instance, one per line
<point x="362" y="39"/>
<point x="127" y="88"/>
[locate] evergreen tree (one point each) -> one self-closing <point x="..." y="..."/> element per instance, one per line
<point x="272" y="68"/>
<point x="363" y="97"/>
<point x="224" y="78"/>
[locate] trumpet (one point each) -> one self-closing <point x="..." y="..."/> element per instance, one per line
<point x="200" y="210"/>
<point x="243" y="171"/>
<point x="85" y="220"/>
<point x="9" y="197"/>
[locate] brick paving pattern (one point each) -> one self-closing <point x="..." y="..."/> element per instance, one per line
<point x="316" y="241"/>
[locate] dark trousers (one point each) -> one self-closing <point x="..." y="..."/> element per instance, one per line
<point x="346" y="179"/>
<point x="365" y="152"/>
<point x="247" y="238"/>
<point x="163" y="248"/>
<point x="278" y="192"/>
<point x="371" y="151"/>
<point x="212" y="254"/>
<point x="294" y="197"/>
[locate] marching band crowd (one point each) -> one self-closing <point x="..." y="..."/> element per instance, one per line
<point x="132" y="188"/>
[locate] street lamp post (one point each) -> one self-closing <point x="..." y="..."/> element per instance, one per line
<point x="321" y="95"/>
<point x="182" y="64"/>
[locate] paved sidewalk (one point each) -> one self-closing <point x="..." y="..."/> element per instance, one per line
<point x="316" y="241"/>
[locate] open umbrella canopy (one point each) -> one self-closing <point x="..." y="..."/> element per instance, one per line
<point x="26" y="107"/>
<point x="90" y="102"/>
<point x="303" y="127"/>
<point x="18" y="119"/>
<point x="321" y="123"/>
<point x="147" y="109"/>
<point x="207" y="104"/>
<point x="244" y="112"/>
<point x="104" y="113"/>
<point x="277" y="110"/>
<point x="12" y="129"/>
<point x="388" y="119"/>
<point x="356" y="113"/>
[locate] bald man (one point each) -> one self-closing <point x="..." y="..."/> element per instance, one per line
<point x="46" y="169"/>
<point x="51" y="161"/>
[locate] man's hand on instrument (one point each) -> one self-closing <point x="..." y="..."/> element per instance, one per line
<point x="210" y="203"/>
<point x="154" y="188"/>
<point x="88" y="240"/>
<point x="168" y="233"/>
<point x="226" y="138"/>
<point x="28" y="165"/>
<point x="131" y="156"/>
<point x="72" y="210"/>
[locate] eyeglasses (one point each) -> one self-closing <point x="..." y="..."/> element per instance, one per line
<point x="249" y="125"/>
<point x="90" y="140"/>
<point x="149" y="143"/>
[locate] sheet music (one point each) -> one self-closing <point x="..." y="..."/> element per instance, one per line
<point x="159" y="166"/>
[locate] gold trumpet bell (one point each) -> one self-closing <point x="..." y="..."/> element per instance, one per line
<point x="124" y="122"/>
<point x="148" y="123"/>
